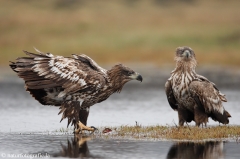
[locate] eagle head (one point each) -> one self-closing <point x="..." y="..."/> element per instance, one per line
<point x="185" y="54"/>
<point x="126" y="73"/>
<point x="120" y="74"/>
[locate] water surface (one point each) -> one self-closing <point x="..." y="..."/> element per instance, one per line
<point x="68" y="146"/>
<point x="25" y="125"/>
<point x="148" y="106"/>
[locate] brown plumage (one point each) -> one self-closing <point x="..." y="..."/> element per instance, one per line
<point x="192" y="95"/>
<point x="73" y="83"/>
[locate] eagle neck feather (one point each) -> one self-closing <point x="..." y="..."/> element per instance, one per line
<point x="116" y="80"/>
<point x="185" y="67"/>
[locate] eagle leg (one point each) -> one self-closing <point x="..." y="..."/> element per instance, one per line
<point x="200" y="117"/>
<point x="82" y="127"/>
<point x="184" y="115"/>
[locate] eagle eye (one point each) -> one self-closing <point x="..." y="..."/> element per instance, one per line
<point x="128" y="73"/>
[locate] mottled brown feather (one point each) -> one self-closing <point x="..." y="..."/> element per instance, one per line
<point x="73" y="83"/>
<point x="191" y="93"/>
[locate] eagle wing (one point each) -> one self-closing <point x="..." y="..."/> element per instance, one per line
<point x="51" y="78"/>
<point x="170" y="96"/>
<point x="72" y="74"/>
<point x="221" y="95"/>
<point x="208" y="97"/>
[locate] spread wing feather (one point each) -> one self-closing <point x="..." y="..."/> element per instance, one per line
<point x="69" y="73"/>
<point x="48" y="78"/>
<point x="85" y="59"/>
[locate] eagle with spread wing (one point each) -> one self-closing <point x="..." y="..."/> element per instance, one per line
<point x="73" y="83"/>
<point x="192" y="95"/>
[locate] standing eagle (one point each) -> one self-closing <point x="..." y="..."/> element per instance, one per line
<point x="73" y="83"/>
<point x="192" y="95"/>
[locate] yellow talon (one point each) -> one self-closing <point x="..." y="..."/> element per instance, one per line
<point x="82" y="127"/>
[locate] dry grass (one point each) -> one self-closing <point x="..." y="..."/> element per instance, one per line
<point x="186" y="133"/>
<point x="177" y="133"/>
<point x="122" y="31"/>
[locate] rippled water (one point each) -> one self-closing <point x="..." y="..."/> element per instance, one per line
<point x="23" y="121"/>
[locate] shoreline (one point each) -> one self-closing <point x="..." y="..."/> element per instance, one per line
<point x="153" y="133"/>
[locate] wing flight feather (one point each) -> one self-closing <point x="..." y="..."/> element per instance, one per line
<point x="72" y="74"/>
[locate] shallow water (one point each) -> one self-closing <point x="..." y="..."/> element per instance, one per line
<point x="148" y="106"/>
<point x="68" y="146"/>
<point x="23" y="122"/>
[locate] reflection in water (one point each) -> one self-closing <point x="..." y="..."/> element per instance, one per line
<point x="75" y="148"/>
<point x="206" y="150"/>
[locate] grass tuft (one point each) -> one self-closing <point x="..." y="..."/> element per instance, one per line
<point x="187" y="133"/>
<point x="176" y="133"/>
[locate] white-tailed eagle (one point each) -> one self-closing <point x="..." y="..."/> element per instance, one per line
<point x="192" y="95"/>
<point x="73" y="83"/>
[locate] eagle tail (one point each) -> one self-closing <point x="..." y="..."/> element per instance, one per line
<point x="222" y="118"/>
